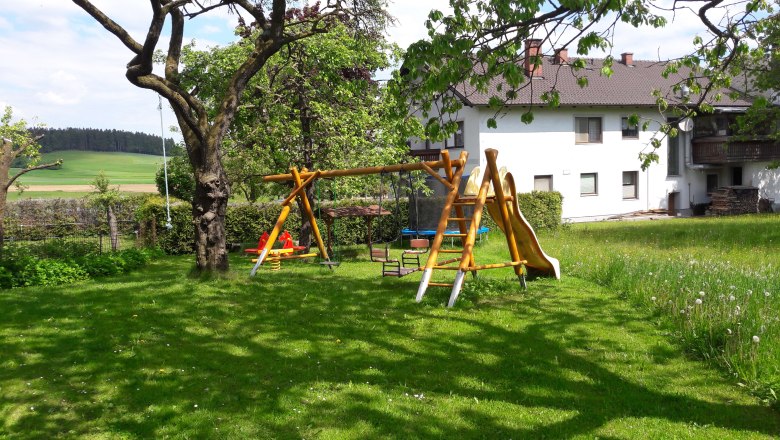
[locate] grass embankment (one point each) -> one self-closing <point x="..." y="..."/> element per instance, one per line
<point x="712" y="282"/>
<point x="305" y="353"/>
<point x="81" y="167"/>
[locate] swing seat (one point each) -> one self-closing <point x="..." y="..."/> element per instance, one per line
<point x="418" y="246"/>
<point x="391" y="267"/>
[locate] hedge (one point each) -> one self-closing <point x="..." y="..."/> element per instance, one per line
<point x="542" y="209"/>
<point x="36" y="219"/>
<point x="245" y="222"/>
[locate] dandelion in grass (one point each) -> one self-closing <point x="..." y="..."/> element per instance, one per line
<point x="756" y="339"/>
<point x="732" y="298"/>
<point x="701" y="293"/>
<point x="652" y="298"/>
<point x="766" y="294"/>
<point x="698" y="301"/>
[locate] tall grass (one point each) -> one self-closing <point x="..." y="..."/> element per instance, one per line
<point x="713" y="283"/>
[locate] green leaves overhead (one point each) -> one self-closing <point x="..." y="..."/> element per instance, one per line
<point x="484" y="40"/>
<point x="314" y="105"/>
<point x="480" y="47"/>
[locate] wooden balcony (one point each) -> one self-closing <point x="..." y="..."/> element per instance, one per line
<point x="426" y="155"/>
<point x="721" y="150"/>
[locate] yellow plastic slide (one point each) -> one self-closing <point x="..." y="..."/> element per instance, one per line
<point x="539" y="263"/>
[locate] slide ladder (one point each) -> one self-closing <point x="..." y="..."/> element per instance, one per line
<point x="491" y="192"/>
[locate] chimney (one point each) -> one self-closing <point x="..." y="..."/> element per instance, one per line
<point x="561" y="56"/>
<point x="532" y="49"/>
<point x="627" y="58"/>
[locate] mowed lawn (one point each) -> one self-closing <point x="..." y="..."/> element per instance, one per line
<point x="306" y="353"/>
<point x="81" y="167"/>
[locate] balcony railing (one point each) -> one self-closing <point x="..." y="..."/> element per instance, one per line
<point x="426" y="155"/>
<point x="719" y="150"/>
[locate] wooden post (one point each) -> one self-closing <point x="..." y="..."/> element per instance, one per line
<point x="498" y="189"/>
<point x="307" y="208"/>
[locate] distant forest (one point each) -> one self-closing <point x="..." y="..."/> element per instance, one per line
<point x="93" y="139"/>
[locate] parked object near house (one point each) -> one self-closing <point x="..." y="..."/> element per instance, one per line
<point x="587" y="149"/>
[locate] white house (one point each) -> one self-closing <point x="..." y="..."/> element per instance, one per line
<point x="586" y="150"/>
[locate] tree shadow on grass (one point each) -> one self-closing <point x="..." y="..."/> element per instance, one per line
<point x="306" y="353"/>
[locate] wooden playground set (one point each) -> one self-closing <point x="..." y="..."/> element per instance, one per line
<point x="496" y="192"/>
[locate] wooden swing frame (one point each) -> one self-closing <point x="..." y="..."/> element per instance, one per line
<point x="467" y="227"/>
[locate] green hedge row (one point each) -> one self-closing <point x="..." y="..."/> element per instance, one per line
<point x="542" y="209"/>
<point x="246" y="222"/>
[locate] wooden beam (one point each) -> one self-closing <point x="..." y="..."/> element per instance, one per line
<point x="325" y="174"/>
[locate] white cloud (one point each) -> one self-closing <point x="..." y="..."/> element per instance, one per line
<point x="411" y="16"/>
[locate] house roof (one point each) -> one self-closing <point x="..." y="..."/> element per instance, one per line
<point x="629" y="85"/>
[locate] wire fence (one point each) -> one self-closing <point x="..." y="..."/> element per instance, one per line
<point x="38" y="238"/>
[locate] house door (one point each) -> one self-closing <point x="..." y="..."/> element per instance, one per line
<point x="736" y="176"/>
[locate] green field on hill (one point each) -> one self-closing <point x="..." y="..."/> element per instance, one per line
<point x="81" y="167"/>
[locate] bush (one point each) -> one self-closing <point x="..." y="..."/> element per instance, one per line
<point x="542" y="209"/>
<point x="63" y="248"/>
<point x="17" y="268"/>
<point x="51" y="273"/>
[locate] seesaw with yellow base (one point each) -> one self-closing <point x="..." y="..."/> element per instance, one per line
<point x="496" y="192"/>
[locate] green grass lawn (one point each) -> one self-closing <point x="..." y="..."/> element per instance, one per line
<point x="81" y="167"/>
<point x="712" y="282"/>
<point x="305" y="353"/>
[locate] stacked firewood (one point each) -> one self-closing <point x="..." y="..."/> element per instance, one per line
<point x="734" y="200"/>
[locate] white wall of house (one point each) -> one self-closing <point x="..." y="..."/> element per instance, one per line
<point x="548" y="147"/>
<point x="471" y="132"/>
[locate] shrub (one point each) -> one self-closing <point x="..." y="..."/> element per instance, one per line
<point x="51" y="273"/>
<point x="18" y="268"/>
<point x="542" y="209"/>
<point x="63" y="248"/>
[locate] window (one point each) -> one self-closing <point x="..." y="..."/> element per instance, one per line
<point x="712" y="183"/>
<point x="587" y="130"/>
<point x="673" y="156"/>
<point x="456" y="140"/>
<point x="588" y="184"/>
<point x="629" y="131"/>
<point x="543" y="183"/>
<point x="630" y="179"/>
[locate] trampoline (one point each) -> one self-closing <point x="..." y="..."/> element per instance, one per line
<point x="425" y="211"/>
<point x="407" y="232"/>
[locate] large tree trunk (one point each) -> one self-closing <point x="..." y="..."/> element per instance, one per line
<point x="209" y="206"/>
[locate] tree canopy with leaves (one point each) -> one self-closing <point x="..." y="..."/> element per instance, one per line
<point x="314" y="105"/>
<point x="204" y="125"/>
<point x="482" y="40"/>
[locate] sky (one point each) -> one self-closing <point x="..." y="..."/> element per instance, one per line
<point x="61" y="69"/>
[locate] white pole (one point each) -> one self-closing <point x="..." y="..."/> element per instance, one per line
<point x="165" y="167"/>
